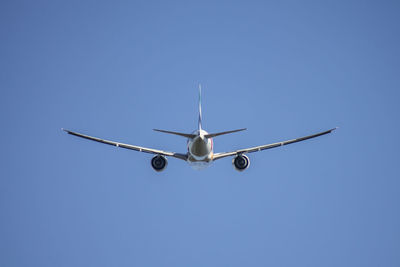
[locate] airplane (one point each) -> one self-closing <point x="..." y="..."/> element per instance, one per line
<point x="200" y="152"/>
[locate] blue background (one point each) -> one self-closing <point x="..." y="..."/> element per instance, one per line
<point x="118" y="69"/>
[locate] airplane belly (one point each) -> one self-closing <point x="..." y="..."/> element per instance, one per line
<point x="199" y="165"/>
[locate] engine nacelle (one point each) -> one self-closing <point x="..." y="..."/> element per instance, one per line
<point x="241" y="162"/>
<point x="159" y="163"/>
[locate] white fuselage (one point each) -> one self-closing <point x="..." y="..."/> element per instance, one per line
<point x="200" y="150"/>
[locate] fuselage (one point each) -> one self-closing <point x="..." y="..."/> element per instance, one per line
<point x="200" y="150"/>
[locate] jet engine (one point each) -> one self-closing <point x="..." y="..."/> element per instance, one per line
<point x="241" y="162"/>
<point x="159" y="163"/>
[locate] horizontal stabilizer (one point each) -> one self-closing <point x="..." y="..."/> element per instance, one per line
<point x="176" y="133"/>
<point x="221" y="133"/>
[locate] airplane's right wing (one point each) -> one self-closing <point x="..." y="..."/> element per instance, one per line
<point x="132" y="147"/>
<point x="263" y="147"/>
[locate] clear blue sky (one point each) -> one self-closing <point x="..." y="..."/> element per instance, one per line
<point x="118" y="69"/>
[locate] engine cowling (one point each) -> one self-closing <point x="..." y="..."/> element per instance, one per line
<point x="241" y="162"/>
<point x="159" y="163"/>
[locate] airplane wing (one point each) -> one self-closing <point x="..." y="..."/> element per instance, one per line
<point x="132" y="147"/>
<point x="259" y="148"/>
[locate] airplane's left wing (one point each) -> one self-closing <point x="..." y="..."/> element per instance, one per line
<point x="132" y="147"/>
<point x="259" y="148"/>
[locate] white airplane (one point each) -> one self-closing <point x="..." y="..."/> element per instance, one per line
<point x="200" y="147"/>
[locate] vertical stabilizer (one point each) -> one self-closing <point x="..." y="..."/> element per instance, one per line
<point x="200" y="107"/>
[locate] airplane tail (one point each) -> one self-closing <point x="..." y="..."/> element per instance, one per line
<point x="213" y="134"/>
<point x="191" y="136"/>
<point x="221" y="133"/>
<point x="199" y="122"/>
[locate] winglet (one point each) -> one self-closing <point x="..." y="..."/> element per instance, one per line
<point x="67" y="131"/>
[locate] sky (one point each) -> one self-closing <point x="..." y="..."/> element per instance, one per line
<point x="118" y="69"/>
